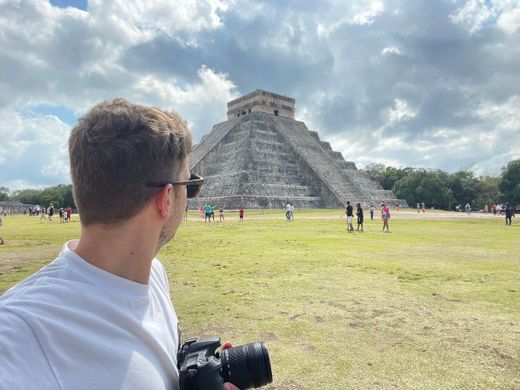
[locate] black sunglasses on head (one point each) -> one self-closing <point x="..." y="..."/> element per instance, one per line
<point x="193" y="185"/>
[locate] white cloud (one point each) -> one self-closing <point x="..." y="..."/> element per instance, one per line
<point x="509" y="19"/>
<point x="391" y="50"/>
<point x="400" y="111"/>
<point x="475" y="14"/>
<point x="356" y="12"/>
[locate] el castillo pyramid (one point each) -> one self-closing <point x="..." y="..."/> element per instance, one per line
<point x="261" y="157"/>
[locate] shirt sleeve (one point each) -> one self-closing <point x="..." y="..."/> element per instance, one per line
<point x="23" y="364"/>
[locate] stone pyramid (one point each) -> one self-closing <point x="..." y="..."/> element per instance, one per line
<point x="262" y="158"/>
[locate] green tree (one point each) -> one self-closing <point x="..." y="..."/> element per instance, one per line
<point x="376" y="172"/>
<point x="510" y="183"/>
<point x="420" y="185"/>
<point x="27" y="196"/>
<point x="463" y="185"/>
<point x="4" y="193"/>
<point x="488" y="192"/>
<point x="386" y="176"/>
<point x="54" y="195"/>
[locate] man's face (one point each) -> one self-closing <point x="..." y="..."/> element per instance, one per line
<point x="180" y="201"/>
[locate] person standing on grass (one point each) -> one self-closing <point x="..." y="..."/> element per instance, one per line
<point x="1" y="239"/>
<point x="50" y="211"/>
<point x="349" y="211"/>
<point x="100" y="315"/>
<point x="207" y="212"/>
<point x="372" y="209"/>
<point x="385" y="215"/>
<point x="359" y="214"/>
<point x="241" y="214"/>
<point x="221" y="213"/>
<point x="510" y="212"/>
<point x="43" y="217"/>
<point x="288" y="212"/>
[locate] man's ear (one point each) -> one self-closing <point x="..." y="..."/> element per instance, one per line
<point x="163" y="201"/>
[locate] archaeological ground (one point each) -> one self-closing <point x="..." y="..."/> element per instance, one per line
<point x="433" y="305"/>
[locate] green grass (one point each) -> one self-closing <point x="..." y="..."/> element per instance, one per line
<point x="433" y="305"/>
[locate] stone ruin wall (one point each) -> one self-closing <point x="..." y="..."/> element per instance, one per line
<point x="262" y="101"/>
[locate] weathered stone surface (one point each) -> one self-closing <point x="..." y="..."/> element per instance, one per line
<point x="262" y="160"/>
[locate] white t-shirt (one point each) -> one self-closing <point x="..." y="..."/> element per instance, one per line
<point x="75" y="326"/>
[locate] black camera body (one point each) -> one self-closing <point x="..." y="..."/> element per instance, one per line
<point x="202" y="368"/>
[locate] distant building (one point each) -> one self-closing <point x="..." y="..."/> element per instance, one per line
<point x="262" y="158"/>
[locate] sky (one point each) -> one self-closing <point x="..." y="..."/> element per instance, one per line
<point x="425" y="83"/>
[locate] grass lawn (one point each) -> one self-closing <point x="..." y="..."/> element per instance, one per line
<point x="435" y="304"/>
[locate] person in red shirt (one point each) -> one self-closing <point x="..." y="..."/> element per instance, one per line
<point x="241" y="213"/>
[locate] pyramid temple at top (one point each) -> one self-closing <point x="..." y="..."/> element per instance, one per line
<point x="261" y="157"/>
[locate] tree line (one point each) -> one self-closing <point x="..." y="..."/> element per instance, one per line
<point x="443" y="190"/>
<point x="59" y="196"/>
<point x="435" y="188"/>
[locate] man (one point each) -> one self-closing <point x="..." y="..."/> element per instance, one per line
<point x="510" y="212"/>
<point x="349" y="210"/>
<point x="359" y="214"/>
<point x="1" y="239"/>
<point x="100" y="315"/>
<point x="208" y="209"/>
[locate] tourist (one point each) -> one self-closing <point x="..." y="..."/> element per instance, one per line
<point x="1" y="239"/>
<point x="288" y="212"/>
<point x="486" y="209"/>
<point x="69" y="213"/>
<point x="467" y="208"/>
<point x="385" y="215"/>
<point x="208" y="209"/>
<point x="60" y="212"/>
<point x="423" y="207"/>
<point x="418" y="208"/>
<point x="494" y="208"/>
<point x="372" y="209"/>
<point x="106" y="319"/>
<point x="50" y="211"/>
<point x="349" y="211"/>
<point x="292" y="212"/>
<point x="43" y="217"/>
<point x="241" y="214"/>
<point x="510" y="212"/>
<point x="221" y="213"/>
<point x="359" y="214"/>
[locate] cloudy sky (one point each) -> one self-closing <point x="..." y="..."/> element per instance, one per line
<point x="422" y="83"/>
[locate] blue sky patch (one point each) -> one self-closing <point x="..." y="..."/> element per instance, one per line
<point x="66" y="116"/>
<point x="81" y="4"/>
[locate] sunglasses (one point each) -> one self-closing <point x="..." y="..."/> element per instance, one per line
<point x="193" y="185"/>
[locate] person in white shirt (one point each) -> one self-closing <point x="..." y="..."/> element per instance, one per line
<point x="100" y="315"/>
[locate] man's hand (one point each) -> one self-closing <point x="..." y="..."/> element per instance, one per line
<point x="227" y="385"/>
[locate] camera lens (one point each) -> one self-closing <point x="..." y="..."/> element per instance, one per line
<point x="247" y="366"/>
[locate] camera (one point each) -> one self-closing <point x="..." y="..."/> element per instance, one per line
<point x="201" y="367"/>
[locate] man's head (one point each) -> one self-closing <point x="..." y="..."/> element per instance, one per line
<point x="116" y="148"/>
